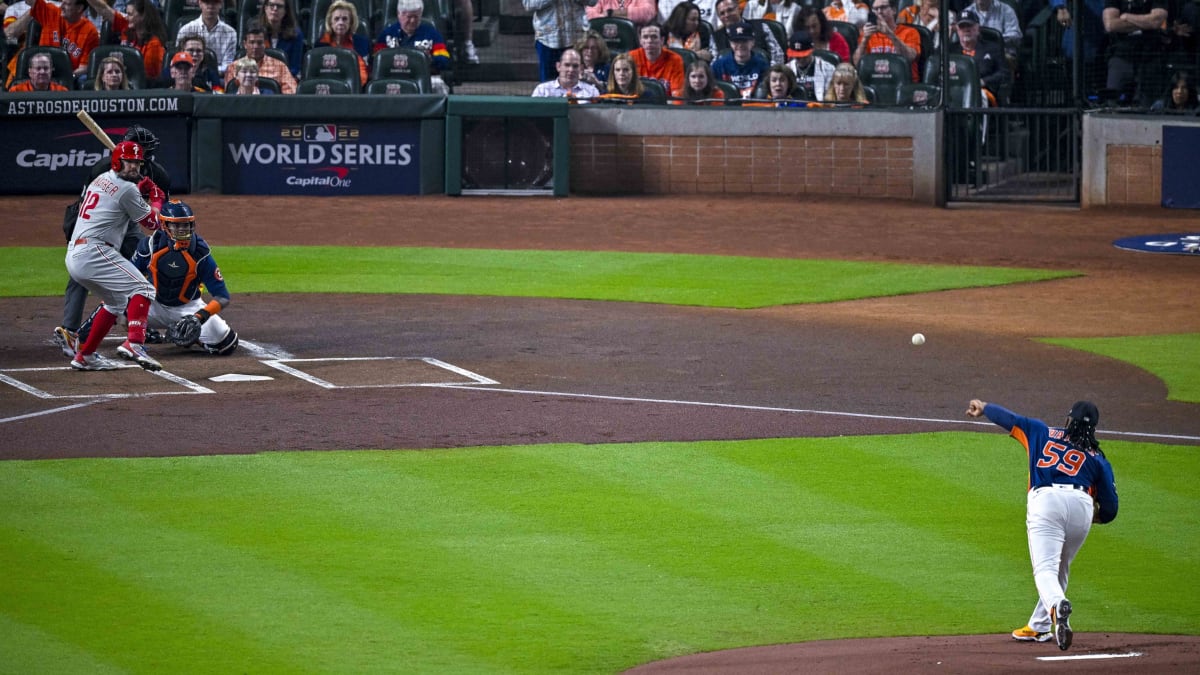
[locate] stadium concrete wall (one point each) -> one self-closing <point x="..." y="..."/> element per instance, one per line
<point x="1122" y="158"/>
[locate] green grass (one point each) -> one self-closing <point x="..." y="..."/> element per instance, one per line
<point x="1175" y="359"/>
<point x="558" y="558"/>
<point x="700" y="280"/>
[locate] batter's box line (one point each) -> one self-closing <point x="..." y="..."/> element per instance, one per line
<point x="279" y="364"/>
<point x="192" y="387"/>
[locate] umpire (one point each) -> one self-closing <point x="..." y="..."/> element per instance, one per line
<point x="66" y="336"/>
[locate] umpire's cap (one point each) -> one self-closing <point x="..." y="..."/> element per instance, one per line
<point x="143" y="137"/>
<point x="1086" y="412"/>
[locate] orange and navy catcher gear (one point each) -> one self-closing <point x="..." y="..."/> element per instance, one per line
<point x="179" y="221"/>
<point x="127" y="150"/>
<point x="177" y="272"/>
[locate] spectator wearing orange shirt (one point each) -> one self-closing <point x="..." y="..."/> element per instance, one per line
<point x="848" y="11"/>
<point x="255" y="44"/>
<point x="40" y="70"/>
<point x="885" y="36"/>
<point x="140" y="27"/>
<point x="66" y="27"/>
<point x="653" y="61"/>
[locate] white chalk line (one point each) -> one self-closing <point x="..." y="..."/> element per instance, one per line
<point x="1086" y="657"/>
<point x="805" y="411"/>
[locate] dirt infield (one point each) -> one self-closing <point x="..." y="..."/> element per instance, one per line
<point x="466" y="371"/>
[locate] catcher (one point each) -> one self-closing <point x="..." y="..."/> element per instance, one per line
<point x="177" y="261"/>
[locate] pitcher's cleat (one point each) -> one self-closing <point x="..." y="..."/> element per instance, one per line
<point x="1027" y="634"/>
<point x="137" y="354"/>
<point x="1061" y="616"/>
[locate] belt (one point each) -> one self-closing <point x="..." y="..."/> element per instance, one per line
<point x="83" y="240"/>
<point x="1069" y="486"/>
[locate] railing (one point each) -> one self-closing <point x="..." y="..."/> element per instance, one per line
<point x="1013" y="154"/>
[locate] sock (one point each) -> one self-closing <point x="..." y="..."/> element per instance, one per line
<point x="102" y="322"/>
<point x="136" y="312"/>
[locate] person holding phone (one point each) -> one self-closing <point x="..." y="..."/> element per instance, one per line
<point x="882" y="35"/>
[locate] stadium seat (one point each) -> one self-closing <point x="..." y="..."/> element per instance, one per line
<point x="393" y="87"/>
<point x="733" y="95"/>
<point x="62" y="72"/>
<point x="264" y="83"/>
<point x="324" y="86"/>
<point x="920" y="95"/>
<point x="332" y="63"/>
<point x="619" y="33"/>
<point x="655" y="91"/>
<point x="135" y="68"/>
<point x="402" y="63"/>
<point x="848" y="31"/>
<point x="688" y="55"/>
<point x="885" y="73"/>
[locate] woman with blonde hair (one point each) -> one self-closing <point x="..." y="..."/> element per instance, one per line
<point x="245" y="73"/>
<point x="624" y="84"/>
<point x="112" y="75"/>
<point x="845" y="87"/>
<point x="341" y="22"/>
<point x="596" y="57"/>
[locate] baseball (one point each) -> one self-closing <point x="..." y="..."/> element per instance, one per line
<point x="918" y="339"/>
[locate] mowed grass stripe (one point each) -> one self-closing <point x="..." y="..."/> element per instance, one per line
<point x="252" y="610"/>
<point x="26" y="648"/>
<point x="679" y="279"/>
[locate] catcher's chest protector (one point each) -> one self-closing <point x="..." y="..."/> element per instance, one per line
<point x="174" y="275"/>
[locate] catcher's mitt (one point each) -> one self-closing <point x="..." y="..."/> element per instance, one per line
<point x="186" y="331"/>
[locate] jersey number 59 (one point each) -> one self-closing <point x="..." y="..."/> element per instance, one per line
<point x="1057" y="455"/>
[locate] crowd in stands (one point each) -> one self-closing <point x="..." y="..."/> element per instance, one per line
<point x="1134" y="52"/>
<point x="1141" y="53"/>
<point x="258" y="47"/>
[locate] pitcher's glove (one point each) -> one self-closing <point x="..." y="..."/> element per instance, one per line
<point x="186" y="331"/>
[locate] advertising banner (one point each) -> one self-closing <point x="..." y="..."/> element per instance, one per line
<point x="320" y="158"/>
<point x="55" y="156"/>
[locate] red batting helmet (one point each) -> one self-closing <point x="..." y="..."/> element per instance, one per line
<point x="127" y="150"/>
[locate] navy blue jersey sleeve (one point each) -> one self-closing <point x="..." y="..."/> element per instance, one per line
<point x="141" y="257"/>
<point x="1105" y="491"/>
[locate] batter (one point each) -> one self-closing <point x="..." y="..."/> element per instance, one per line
<point x="1070" y="486"/>
<point x="111" y="202"/>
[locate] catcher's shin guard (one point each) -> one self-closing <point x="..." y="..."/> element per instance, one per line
<point x="225" y="347"/>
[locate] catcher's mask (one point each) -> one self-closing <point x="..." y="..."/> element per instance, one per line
<point x="143" y="137"/>
<point x="179" y="221"/>
<point x="127" y="151"/>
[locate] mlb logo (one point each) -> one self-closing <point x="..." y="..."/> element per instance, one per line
<point x="883" y="67"/>
<point x="329" y="61"/>
<point x="740" y="31"/>
<point x="319" y="133"/>
<point x="400" y="61"/>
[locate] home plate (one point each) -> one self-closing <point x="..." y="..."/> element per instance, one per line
<point x="238" y="377"/>
<point x="1082" y="657"/>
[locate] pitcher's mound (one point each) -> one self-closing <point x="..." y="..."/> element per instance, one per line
<point x="1090" y="652"/>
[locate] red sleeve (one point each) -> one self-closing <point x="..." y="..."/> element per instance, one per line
<point x="839" y="46"/>
<point x="45" y="14"/>
<point x="119" y="23"/>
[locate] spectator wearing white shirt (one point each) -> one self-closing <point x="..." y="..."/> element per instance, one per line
<point x="218" y="35"/>
<point x="567" y="84"/>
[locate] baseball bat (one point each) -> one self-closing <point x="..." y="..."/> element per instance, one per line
<point x="99" y="133"/>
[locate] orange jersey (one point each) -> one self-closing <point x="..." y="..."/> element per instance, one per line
<point x="153" y="51"/>
<point x="881" y="44"/>
<point x="28" y="86"/>
<point x="668" y="69"/>
<point x="78" y="39"/>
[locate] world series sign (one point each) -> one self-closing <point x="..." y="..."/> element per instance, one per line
<point x="321" y="158"/>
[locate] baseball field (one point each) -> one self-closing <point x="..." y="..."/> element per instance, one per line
<point x="490" y="435"/>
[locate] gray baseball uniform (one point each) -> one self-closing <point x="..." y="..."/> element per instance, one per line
<point x="110" y="205"/>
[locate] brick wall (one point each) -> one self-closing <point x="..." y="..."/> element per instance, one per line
<point x="1134" y="174"/>
<point x="655" y="164"/>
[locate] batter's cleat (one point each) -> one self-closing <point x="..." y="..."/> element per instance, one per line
<point x="66" y="341"/>
<point x="92" y="362"/>
<point x="137" y="354"/>
<point x="1027" y="634"/>
<point x="1061" y="616"/>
